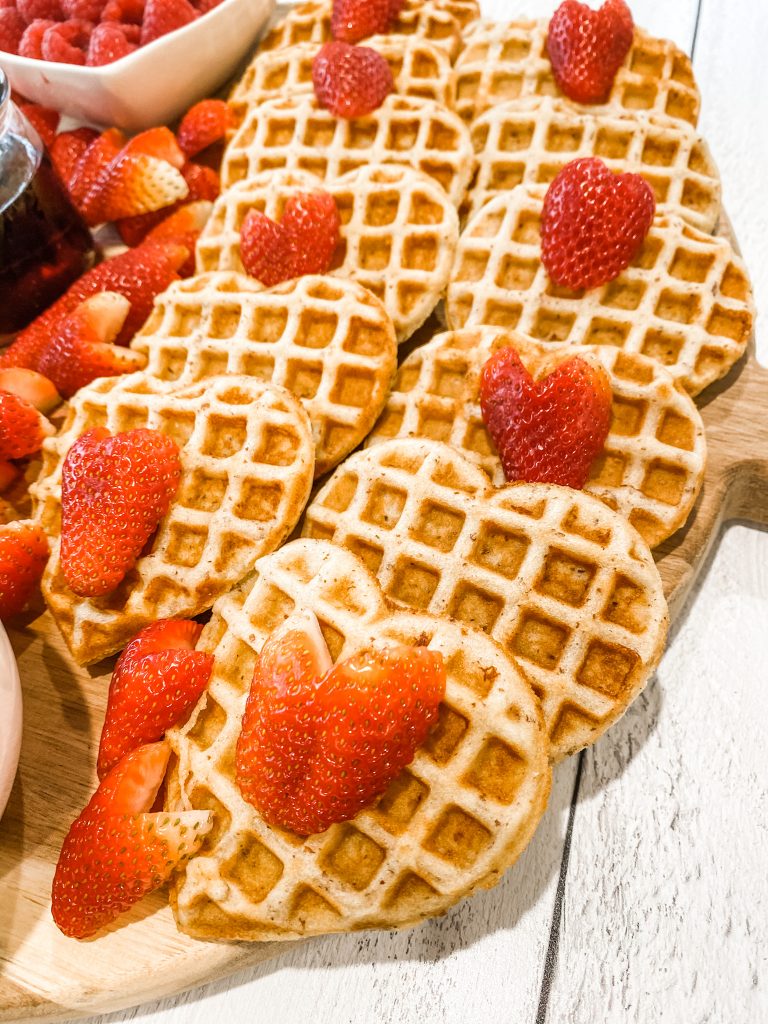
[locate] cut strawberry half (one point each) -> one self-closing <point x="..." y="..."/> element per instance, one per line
<point x="33" y="387"/>
<point x="131" y="184"/>
<point x="22" y="428"/>
<point x="588" y="47"/>
<point x="98" y="156"/>
<point x="351" y="81"/>
<point x="205" y="124"/>
<point x="23" y="554"/>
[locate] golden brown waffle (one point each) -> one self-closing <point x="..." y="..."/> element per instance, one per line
<point x="451" y="823"/>
<point x="464" y="11"/>
<point x="508" y="60"/>
<point x="685" y="301"/>
<point x="563" y="582"/>
<point x="418" y="69"/>
<point x="296" y="133"/>
<point x="247" y="459"/>
<point x="530" y="141"/>
<point x="329" y="342"/>
<point x="311" y="23"/>
<point x="399" y="233"/>
<point x="652" y="467"/>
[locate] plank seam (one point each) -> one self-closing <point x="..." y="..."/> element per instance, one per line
<point x="696" y="29"/>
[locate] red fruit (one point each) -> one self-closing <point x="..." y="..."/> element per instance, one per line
<point x="31" y="10"/>
<point x="31" y="43"/>
<point x="588" y="47"/>
<point x="303" y="242"/>
<point x="31" y="386"/>
<point x="128" y="12"/>
<point x="203" y="6"/>
<point x="97" y="157"/>
<point x="23" y="554"/>
<point x="351" y="81"/>
<point x="66" y="150"/>
<point x="164" y="16"/>
<point x="114" y="492"/>
<point x="593" y="223"/>
<point x="22" y="428"/>
<point x="115" y="853"/>
<point x="132" y="184"/>
<point x="139" y="275"/>
<point x="182" y="224"/>
<point x="204" y="124"/>
<point x="548" y="430"/>
<point x="12" y="28"/>
<point x="317" y="748"/>
<point x="110" y="41"/>
<point x="80" y="348"/>
<point x="157" y="142"/>
<point x="43" y="120"/>
<point x="87" y="10"/>
<point x="203" y="182"/>
<point x="67" y="42"/>
<point x="157" y="680"/>
<point x="353" y="20"/>
<point x="9" y="473"/>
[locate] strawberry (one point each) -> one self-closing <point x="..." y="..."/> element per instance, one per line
<point x="351" y="81"/>
<point x="157" y="680"/>
<point x="548" y="430"/>
<point x="353" y="20"/>
<point x="23" y="554"/>
<point x="158" y="142"/>
<point x="44" y="120"/>
<point x="115" y="852"/>
<point x="80" y="348"/>
<point x="203" y="182"/>
<point x="204" y="124"/>
<point x="139" y="275"/>
<point x="182" y="225"/>
<point x="317" y="748"/>
<point x="588" y="47"/>
<point x="96" y="158"/>
<point x="32" y="387"/>
<point x="22" y="428"/>
<point x="9" y="473"/>
<point x="133" y="183"/>
<point x="164" y="16"/>
<point x="303" y="242"/>
<point x="114" y="492"/>
<point x="66" y="150"/>
<point x="593" y="223"/>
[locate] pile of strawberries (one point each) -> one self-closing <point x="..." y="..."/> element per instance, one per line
<point x="91" y="32"/>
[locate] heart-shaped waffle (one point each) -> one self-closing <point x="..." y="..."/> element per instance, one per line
<point x="563" y="582"/>
<point x="452" y="821"/>
<point x="653" y="464"/>
<point x="247" y="463"/>
<point x="326" y="340"/>
<point x="529" y="141"/>
<point x="685" y="300"/>
<point x="298" y="134"/>
<point x="504" y="61"/>
<point x="418" y="69"/>
<point x="399" y="233"/>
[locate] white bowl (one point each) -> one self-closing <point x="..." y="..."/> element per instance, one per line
<point x="10" y="718"/>
<point x="154" y="84"/>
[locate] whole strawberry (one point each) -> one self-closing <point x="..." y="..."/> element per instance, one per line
<point x="588" y="47"/>
<point x="353" y="20"/>
<point x="203" y="125"/>
<point x="548" y="430"/>
<point x="351" y="81"/>
<point x="114" y="492"/>
<point x="23" y="554"/>
<point x="593" y="223"/>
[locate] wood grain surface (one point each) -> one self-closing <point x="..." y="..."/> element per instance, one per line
<point x="642" y="901"/>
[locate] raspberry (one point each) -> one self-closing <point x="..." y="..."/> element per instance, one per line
<point x="67" y="42"/>
<point x="588" y="47"/>
<point x="85" y="10"/>
<point x="204" y="6"/>
<point x="31" y="43"/>
<point x="128" y="12"/>
<point x="164" y="16"/>
<point x="12" y="27"/>
<point x="593" y="223"/>
<point x="30" y="10"/>
<point x="110" y="41"/>
<point x="351" y="81"/>
<point x="353" y="20"/>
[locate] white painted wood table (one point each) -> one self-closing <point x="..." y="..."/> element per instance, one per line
<point x="645" y="898"/>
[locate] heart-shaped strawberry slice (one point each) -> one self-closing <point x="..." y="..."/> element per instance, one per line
<point x="588" y="47"/>
<point x="548" y="430"/>
<point x="593" y="223"/>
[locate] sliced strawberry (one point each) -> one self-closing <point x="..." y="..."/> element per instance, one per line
<point x="8" y="474"/>
<point x="44" y="120"/>
<point x="133" y="183"/>
<point x="22" y="428"/>
<point x="203" y="182"/>
<point x="588" y="47"/>
<point x="114" y="492"/>
<point x="204" y="124"/>
<point x="160" y="143"/>
<point x="115" y="853"/>
<point x="66" y="150"/>
<point x="81" y="349"/>
<point x="23" y="554"/>
<point x="96" y="158"/>
<point x="157" y="680"/>
<point x="32" y="387"/>
<point x="548" y="430"/>
<point x="265" y="249"/>
<point x="182" y="224"/>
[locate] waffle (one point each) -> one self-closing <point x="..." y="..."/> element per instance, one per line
<point x="418" y="68"/>
<point x="560" y="580"/>
<point x="247" y="459"/>
<point x="311" y="23"/>
<point x="329" y="342"/>
<point x="296" y="133"/>
<point x="685" y="301"/>
<point x="508" y="60"/>
<point x="399" y="232"/>
<point x="451" y="823"/>
<point x="530" y="141"/>
<point x="653" y="464"/>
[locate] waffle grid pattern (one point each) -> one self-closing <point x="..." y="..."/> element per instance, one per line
<point x="685" y="301"/>
<point x="530" y="141"/>
<point x="296" y="133"/>
<point x="504" y="61"/>
<point x="560" y="580"/>
<point x="328" y="342"/>
<point x="453" y="820"/>
<point x="247" y="461"/>
<point x="399" y="233"/>
<point x="653" y="465"/>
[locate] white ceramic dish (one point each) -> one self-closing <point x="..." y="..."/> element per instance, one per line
<point x="156" y="83"/>
<point x="10" y="718"/>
